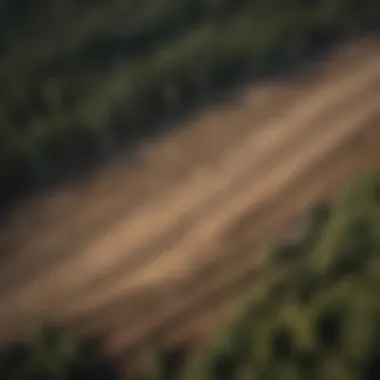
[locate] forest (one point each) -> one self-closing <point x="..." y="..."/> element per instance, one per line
<point x="81" y="80"/>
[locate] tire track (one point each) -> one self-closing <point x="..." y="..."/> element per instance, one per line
<point x="38" y="256"/>
<point x="232" y="277"/>
<point x="352" y="54"/>
<point x="300" y="174"/>
<point x="302" y="113"/>
<point x="309" y="185"/>
<point x="47" y="254"/>
<point x="89" y="208"/>
<point x="114" y="283"/>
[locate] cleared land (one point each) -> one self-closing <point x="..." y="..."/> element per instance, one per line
<point x="163" y="245"/>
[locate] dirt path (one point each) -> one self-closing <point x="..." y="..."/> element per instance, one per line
<point x="83" y="256"/>
<point x="197" y="190"/>
<point x="188" y="251"/>
<point x="78" y="212"/>
<point x="232" y="267"/>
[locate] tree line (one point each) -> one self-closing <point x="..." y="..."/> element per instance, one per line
<point x="81" y="80"/>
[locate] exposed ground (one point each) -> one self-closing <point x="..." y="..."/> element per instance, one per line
<point x="168" y="243"/>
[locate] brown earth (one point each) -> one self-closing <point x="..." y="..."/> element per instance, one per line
<point x="167" y="244"/>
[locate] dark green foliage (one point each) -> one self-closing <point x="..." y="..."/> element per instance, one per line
<point x="327" y="327"/>
<point x="319" y="216"/>
<point x="81" y="79"/>
<point x="282" y="343"/>
<point x="286" y="253"/>
<point x="163" y="362"/>
<point x="53" y="355"/>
